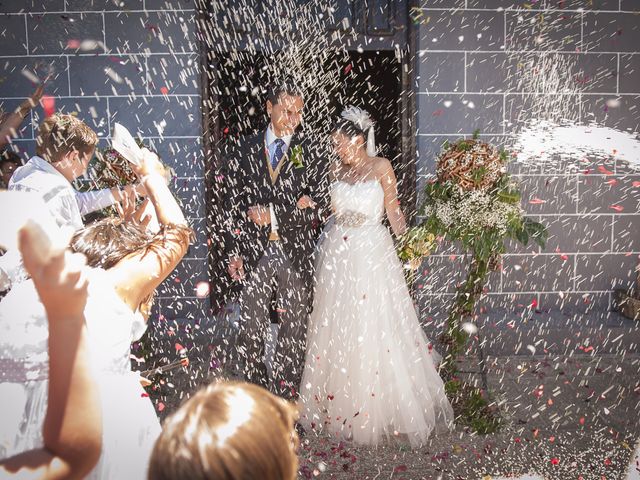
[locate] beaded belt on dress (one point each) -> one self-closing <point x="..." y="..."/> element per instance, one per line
<point x="350" y="218"/>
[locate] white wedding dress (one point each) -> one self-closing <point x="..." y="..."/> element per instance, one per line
<point x="370" y="371"/>
<point x="130" y="424"/>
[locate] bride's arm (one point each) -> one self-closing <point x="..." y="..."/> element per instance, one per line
<point x="391" y="202"/>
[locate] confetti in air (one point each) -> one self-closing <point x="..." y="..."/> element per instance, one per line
<point x="550" y="347"/>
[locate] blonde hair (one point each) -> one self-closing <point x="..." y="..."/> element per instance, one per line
<point x="228" y="431"/>
<point x="61" y="134"/>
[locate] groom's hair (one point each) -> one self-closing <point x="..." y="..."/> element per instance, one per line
<point x="228" y="431"/>
<point x="285" y="86"/>
<point x="61" y="134"/>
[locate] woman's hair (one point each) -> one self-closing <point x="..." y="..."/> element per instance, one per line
<point x="348" y="128"/>
<point x="228" y="431"/>
<point x="111" y="239"/>
<point x="60" y="134"/>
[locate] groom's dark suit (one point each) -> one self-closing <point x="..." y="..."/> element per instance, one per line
<point x="283" y="264"/>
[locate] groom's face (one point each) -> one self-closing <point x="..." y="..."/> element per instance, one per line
<point x="286" y="114"/>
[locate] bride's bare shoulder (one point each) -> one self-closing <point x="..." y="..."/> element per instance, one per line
<point x="381" y="166"/>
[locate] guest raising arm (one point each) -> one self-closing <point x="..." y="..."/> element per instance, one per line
<point x="72" y="426"/>
<point x="138" y="261"/>
<point x="10" y="123"/>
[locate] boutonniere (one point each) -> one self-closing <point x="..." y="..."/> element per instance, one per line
<point x="296" y="156"/>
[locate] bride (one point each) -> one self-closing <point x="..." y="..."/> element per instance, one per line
<point x="370" y="371"/>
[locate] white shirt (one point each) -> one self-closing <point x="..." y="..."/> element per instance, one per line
<point x="269" y="140"/>
<point x="66" y="205"/>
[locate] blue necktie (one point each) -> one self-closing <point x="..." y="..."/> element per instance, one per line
<point x="277" y="155"/>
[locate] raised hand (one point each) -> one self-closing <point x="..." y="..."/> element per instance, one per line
<point x="129" y="213"/>
<point x="149" y="165"/>
<point x="60" y="280"/>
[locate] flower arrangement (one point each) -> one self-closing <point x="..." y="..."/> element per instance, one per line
<point x="296" y="156"/>
<point x="416" y="244"/>
<point x="472" y="201"/>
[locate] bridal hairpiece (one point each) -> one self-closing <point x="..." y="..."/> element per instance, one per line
<point x="362" y="120"/>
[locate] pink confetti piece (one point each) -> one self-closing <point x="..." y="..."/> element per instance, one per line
<point x="49" y="105"/>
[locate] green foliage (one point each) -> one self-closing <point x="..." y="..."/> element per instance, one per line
<point x="471" y="407"/>
<point x="484" y="246"/>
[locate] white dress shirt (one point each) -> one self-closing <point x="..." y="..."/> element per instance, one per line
<point x="66" y="206"/>
<point x="270" y="139"/>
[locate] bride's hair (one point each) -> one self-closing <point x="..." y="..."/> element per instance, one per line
<point x="348" y="128"/>
<point x="356" y="122"/>
<point x="228" y="431"/>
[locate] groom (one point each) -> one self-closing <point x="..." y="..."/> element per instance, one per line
<point x="275" y="200"/>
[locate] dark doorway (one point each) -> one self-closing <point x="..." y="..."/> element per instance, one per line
<point x="368" y="79"/>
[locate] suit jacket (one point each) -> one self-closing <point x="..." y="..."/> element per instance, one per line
<point x="249" y="182"/>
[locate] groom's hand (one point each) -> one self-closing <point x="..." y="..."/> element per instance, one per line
<point x="236" y="268"/>
<point x="306" y="201"/>
<point x="260" y="215"/>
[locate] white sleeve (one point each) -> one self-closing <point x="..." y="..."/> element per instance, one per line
<point x="96" y="200"/>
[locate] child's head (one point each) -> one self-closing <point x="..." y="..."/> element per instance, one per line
<point x="228" y="431"/>
<point x="66" y="142"/>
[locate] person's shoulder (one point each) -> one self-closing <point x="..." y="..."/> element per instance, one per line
<point x="381" y="165"/>
<point x="35" y="180"/>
